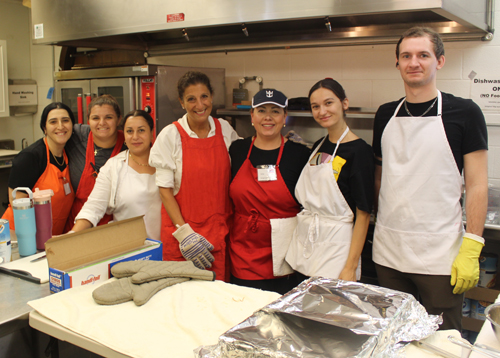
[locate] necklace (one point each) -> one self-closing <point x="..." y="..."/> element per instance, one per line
<point x="142" y="165"/>
<point x="55" y="158"/>
<point x="96" y="150"/>
<point x="423" y="114"/>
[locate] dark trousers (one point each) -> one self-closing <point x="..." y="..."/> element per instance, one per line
<point x="280" y="285"/>
<point x="434" y="292"/>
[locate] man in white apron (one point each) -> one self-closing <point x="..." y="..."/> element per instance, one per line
<point x="421" y="143"/>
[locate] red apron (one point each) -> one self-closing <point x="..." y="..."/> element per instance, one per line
<point x="203" y="197"/>
<point x="87" y="181"/>
<point x="52" y="178"/>
<point x="255" y="203"/>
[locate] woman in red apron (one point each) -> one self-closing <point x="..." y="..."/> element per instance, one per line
<point x="265" y="169"/>
<point x="44" y="165"/>
<point x="104" y="141"/>
<point x="193" y="173"/>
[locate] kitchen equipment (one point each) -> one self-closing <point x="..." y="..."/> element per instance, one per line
<point x="467" y="348"/>
<point x="25" y="223"/>
<point x="148" y="87"/>
<point x="43" y="215"/>
<point x="183" y="27"/>
<point x="492" y="314"/>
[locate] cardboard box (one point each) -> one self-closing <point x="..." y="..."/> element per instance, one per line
<point x="87" y="256"/>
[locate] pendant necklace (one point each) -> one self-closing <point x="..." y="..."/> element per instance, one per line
<point x="423" y="114"/>
<point x="96" y="150"/>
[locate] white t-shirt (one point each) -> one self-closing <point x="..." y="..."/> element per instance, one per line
<point x="166" y="154"/>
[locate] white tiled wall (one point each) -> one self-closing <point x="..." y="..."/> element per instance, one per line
<point x="367" y="73"/>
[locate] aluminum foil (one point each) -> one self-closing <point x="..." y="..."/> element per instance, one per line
<point x="328" y="318"/>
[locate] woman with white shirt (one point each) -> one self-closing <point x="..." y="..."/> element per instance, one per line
<point x="193" y="173"/>
<point x="126" y="185"/>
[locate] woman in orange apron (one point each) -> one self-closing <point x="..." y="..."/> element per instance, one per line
<point x="193" y="173"/>
<point x="44" y="165"/>
<point x="265" y="169"/>
<point x="90" y="147"/>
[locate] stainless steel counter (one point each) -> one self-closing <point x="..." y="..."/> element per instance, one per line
<point x="14" y="295"/>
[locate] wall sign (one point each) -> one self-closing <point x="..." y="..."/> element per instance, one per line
<point x="485" y="91"/>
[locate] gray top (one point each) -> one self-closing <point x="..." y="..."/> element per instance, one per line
<point x="76" y="150"/>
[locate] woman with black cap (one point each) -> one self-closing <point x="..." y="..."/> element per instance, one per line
<point x="44" y="165"/>
<point x="265" y="169"/>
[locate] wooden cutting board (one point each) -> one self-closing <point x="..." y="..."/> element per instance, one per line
<point x="24" y="268"/>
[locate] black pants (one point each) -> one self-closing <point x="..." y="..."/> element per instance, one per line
<point x="281" y="285"/>
<point x="434" y="292"/>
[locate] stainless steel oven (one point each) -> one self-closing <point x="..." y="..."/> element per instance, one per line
<point x="148" y="87"/>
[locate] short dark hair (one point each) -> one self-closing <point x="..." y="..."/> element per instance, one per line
<point x="420" y="31"/>
<point x="101" y="101"/>
<point x="193" y="78"/>
<point x="50" y="107"/>
<point x="139" y="113"/>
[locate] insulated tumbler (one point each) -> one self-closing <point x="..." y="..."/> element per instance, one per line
<point x="43" y="215"/>
<point x="25" y="223"/>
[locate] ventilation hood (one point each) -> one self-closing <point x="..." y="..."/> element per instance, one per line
<point x="163" y="27"/>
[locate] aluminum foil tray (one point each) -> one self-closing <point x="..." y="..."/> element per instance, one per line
<point x="328" y="318"/>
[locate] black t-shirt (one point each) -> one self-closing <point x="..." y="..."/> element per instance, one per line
<point x="293" y="159"/>
<point x="29" y="165"/>
<point x="463" y="123"/>
<point x="76" y="149"/>
<point x="356" y="178"/>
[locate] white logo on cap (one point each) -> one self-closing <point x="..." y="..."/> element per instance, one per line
<point x="269" y="94"/>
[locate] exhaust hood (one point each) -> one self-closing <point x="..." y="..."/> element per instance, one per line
<point x="163" y="27"/>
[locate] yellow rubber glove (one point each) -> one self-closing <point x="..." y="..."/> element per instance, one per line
<point x="465" y="268"/>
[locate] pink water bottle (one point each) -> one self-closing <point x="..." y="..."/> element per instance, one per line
<point x="43" y="215"/>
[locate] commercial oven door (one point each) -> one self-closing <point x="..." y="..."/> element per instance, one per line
<point x="72" y="94"/>
<point x="123" y="89"/>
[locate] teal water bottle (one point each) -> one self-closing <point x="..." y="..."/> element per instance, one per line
<point x="25" y="223"/>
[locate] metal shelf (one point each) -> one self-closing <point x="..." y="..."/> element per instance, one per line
<point x="353" y="112"/>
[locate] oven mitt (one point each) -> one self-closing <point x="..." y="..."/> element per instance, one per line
<point x="123" y="290"/>
<point x="194" y="247"/>
<point x="146" y="271"/>
<point x="465" y="268"/>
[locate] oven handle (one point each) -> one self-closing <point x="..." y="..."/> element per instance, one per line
<point x="79" y="101"/>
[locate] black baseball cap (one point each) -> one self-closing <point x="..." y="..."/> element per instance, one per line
<point x="269" y="96"/>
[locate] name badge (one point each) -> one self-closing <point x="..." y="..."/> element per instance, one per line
<point x="266" y="173"/>
<point x="66" y="186"/>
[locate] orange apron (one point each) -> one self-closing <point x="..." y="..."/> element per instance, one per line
<point x="87" y="181"/>
<point x="203" y="197"/>
<point x="255" y="203"/>
<point x="52" y="178"/>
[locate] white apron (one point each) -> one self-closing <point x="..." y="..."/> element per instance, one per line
<point x="137" y="194"/>
<point x="419" y="223"/>
<point x="322" y="239"/>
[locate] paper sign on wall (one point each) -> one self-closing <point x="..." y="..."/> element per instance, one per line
<point x="22" y="95"/>
<point x="485" y="91"/>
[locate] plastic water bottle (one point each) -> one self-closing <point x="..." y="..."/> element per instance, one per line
<point x="43" y="216"/>
<point x="25" y="223"/>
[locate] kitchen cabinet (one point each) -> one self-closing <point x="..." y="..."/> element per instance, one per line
<point x="4" y="81"/>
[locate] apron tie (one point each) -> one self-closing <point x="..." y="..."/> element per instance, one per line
<point x="312" y="234"/>
<point x="252" y="221"/>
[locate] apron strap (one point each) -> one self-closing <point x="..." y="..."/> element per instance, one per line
<point x="279" y="155"/>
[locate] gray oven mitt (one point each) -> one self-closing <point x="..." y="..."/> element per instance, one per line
<point x="124" y="290"/>
<point x="146" y="271"/>
<point x="140" y="280"/>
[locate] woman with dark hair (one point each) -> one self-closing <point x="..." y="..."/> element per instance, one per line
<point x="265" y="169"/>
<point x="336" y="191"/>
<point x="44" y="165"/>
<point x="89" y="148"/>
<point x="125" y="187"/>
<point x="193" y="173"/>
